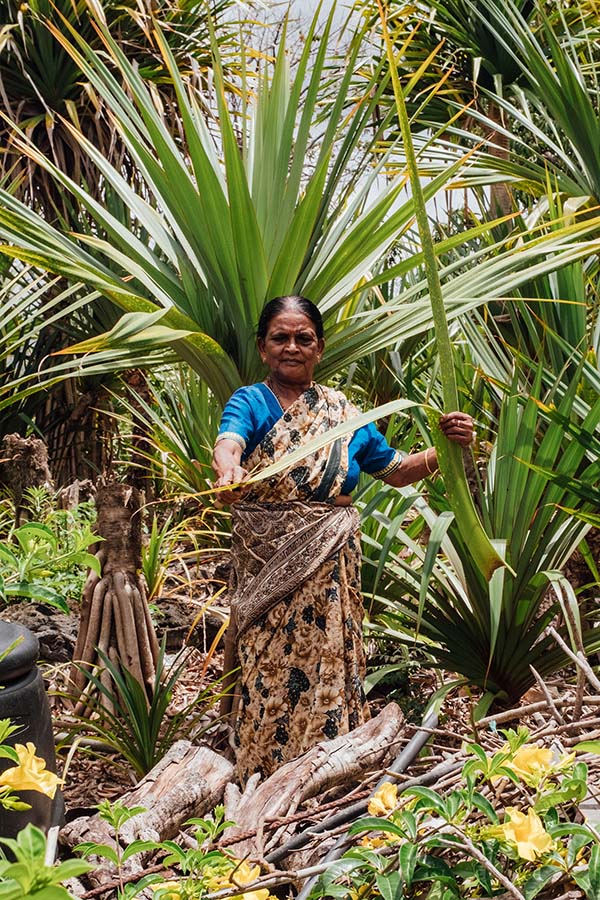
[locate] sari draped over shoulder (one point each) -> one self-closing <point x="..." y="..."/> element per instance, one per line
<point x="296" y="606"/>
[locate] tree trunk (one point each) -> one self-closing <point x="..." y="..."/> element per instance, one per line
<point x="141" y="444"/>
<point x="115" y="617"/>
<point x="79" y="428"/>
<point x="501" y="202"/>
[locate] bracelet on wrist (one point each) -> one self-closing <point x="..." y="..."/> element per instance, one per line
<point x="430" y="471"/>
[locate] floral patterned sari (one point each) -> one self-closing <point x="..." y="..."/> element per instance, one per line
<point x="296" y="602"/>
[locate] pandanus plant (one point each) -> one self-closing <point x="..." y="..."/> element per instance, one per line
<point x="259" y="204"/>
<point x="548" y="117"/>
<point x="543" y="466"/>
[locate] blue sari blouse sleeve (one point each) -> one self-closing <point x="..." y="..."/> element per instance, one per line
<point x="237" y="420"/>
<point x="370" y="452"/>
<point x="248" y="415"/>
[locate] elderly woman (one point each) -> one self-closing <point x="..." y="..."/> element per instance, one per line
<point x="296" y="603"/>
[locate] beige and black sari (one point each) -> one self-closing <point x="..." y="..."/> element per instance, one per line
<point x="296" y="603"/>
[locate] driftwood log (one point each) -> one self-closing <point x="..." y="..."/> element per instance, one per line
<point x="115" y="616"/>
<point x="340" y="761"/>
<point x="186" y="783"/>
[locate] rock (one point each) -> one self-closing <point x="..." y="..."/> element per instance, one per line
<point x="176" y="618"/>
<point x="55" y="631"/>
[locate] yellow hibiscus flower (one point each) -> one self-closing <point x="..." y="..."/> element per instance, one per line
<point x="527" y="833"/>
<point x="31" y="774"/>
<point x="243" y="873"/>
<point x="374" y="843"/>
<point x="384" y="800"/>
<point x="531" y="762"/>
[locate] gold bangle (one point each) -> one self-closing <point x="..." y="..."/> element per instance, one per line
<point x="429" y="471"/>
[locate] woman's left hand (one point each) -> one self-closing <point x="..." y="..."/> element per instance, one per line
<point x="458" y="427"/>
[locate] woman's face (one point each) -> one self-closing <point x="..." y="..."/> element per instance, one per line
<point x="291" y="348"/>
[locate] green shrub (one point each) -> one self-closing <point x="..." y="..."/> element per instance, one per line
<point x="47" y="560"/>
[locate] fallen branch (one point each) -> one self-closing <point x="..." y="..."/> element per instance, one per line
<point x="334" y="762"/>
<point x="578" y="658"/>
<point x="519" y="711"/>
<point x="544" y="689"/>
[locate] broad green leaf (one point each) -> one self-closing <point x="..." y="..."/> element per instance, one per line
<point x="587" y="747"/>
<point x="11" y="891"/>
<point x="140" y="846"/>
<point x="32" y="530"/>
<point x="483" y="804"/>
<point x="407" y="862"/>
<point x="427" y="799"/>
<point x="389" y="885"/>
<point x="8" y="753"/>
<point x="50" y="892"/>
<point x="36" y="592"/>
<point x="538" y="880"/>
<point x="594" y="873"/>
<point x="104" y="851"/>
<point x="374" y="823"/>
<point x="71" y="868"/>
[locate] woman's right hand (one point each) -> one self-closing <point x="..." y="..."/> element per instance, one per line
<point x="227" y="457"/>
<point x="232" y="475"/>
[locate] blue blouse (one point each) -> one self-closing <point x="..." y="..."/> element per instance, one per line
<point x="253" y="410"/>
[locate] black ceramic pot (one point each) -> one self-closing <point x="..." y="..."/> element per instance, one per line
<point x="23" y="700"/>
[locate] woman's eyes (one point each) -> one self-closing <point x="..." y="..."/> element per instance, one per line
<point x="304" y="339"/>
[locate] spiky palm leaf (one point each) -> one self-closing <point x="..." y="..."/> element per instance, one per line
<point x="214" y="237"/>
<point x="555" y="109"/>
<point x="32" y="305"/>
<point x="218" y="231"/>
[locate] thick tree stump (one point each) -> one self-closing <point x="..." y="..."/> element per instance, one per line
<point x="187" y="782"/>
<point x="340" y="761"/>
<point x="115" y="617"/>
<point x="23" y="464"/>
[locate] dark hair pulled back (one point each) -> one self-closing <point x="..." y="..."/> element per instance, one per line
<point x="281" y="304"/>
